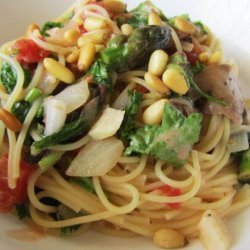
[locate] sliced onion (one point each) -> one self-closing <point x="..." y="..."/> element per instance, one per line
<point x="48" y="83"/>
<point x="97" y="158"/>
<point x="123" y="99"/>
<point x="108" y="124"/>
<point x="238" y="142"/>
<point x="55" y="115"/>
<point x="74" y="96"/>
<point x="56" y="35"/>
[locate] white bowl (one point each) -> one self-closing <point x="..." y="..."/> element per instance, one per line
<point x="229" y="19"/>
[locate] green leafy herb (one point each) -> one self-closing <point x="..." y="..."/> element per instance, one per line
<point x="198" y="67"/>
<point x="68" y="132"/>
<point x="66" y="231"/>
<point x="102" y="74"/>
<point x="244" y="171"/>
<point x="85" y="183"/>
<point x="22" y="211"/>
<point x="171" y="141"/>
<point x="50" y="25"/>
<point x="179" y="62"/>
<point x="20" y="109"/>
<point x="135" y="51"/>
<point x="128" y="125"/>
<point x="8" y="77"/>
<point x="201" y="27"/>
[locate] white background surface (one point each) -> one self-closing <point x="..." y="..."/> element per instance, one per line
<point x="229" y="19"/>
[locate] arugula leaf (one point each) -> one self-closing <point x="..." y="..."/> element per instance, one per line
<point x="8" y="77"/>
<point x="179" y="62"/>
<point x="85" y="183"/>
<point x="50" y="25"/>
<point x="66" y="231"/>
<point x="198" y="67"/>
<point x="128" y="125"/>
<point x="68" y="132"/>
<point x="171" y="141"/>
<point x="20" y="109"/>
<point x="22" y="211"/>
<point x="102" y="74"/>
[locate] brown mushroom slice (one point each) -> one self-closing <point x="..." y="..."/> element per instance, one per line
<point x="221" y="82"/>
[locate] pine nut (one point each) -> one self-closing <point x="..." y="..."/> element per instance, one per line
<point x="73" y="57"/>
<point x="86" y="58"/>
<point x="97" y="38"/>
<point x="71" y="36"/>
<point x="154" y="19"/>
<point x="58" y="70"/>
<point x="158" y="62"/>
<point x="153" y="114"/>
<point x="99" y="47"/>
<point x="31" y="28"/>
<point x="169" y="238"/>
<point x="126" y="29"/>
<point x="94" y="23"/>
<point x="10" y="121"/>
<point x="184" y="26"/>
<point x="203" y="57"/>
<point x="155" y="83"/>
<point x="114" y="6"/>
<point x="216" y="58"/>
<point x="175" y="81"/>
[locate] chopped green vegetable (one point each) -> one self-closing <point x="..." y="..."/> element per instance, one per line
<point x="102" y="74"/>
<point x="198" y="67"/>
<point x="33" y="95"/>
<point x="179" y="61"/>
<point x="68" y="132"/>
<point x="201" y="27"/>
<point x="40" y="112"/>
<point x="66" y="231"/>
<point x="50" y="25"/>
<point x="50" y="160"/>
<point x="138" y="20"/>
<point x="22" y="211"/>
<point x="8" y="77"/>
<point x="128" y="125"/>
<point x="85" y="182"/>
<point x="136" y="50"/>
<point x="20" y="110"/>
<point x="171" y="141"/>
<point x="244" y="171"/>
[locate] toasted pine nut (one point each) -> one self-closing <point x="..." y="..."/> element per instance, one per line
<point x="73" y="57"/>
<point x="203" y="57"/>
<point x="153" y="114"/>
<point x="114" y="6"/>
<point x="154" y="19"/>
<point x="126" y="29"/>
<point x="97" y="38"/>
<point x="175" y="81"/>
<point x="71" y="36"/>
<point x="184" y="26"/>
<point x="31" y="28"/>
<point x="94" y="23"/>
<point x="158" y="62"/>
<point x="215" y="58"/>
<point x="155" y="83"/>
<point x="99" y="47"/>
<point x="86" y="58"/>
<point x="10" y="121"/>
<point x="58" y="70"/>
<point x="169" y="238"/>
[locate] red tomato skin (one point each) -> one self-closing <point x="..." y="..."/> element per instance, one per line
<point x="11" y="197"/>
<point x="29" y="52"/>
<point x="192" y="57"/>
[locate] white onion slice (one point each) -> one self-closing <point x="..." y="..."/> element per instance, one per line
<point x="108" y="124"/>
<point x="97" y="158"/>
<point x="74" y="96"/>
<point x="123" y="99"/>
<point x="55" y="115"/>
